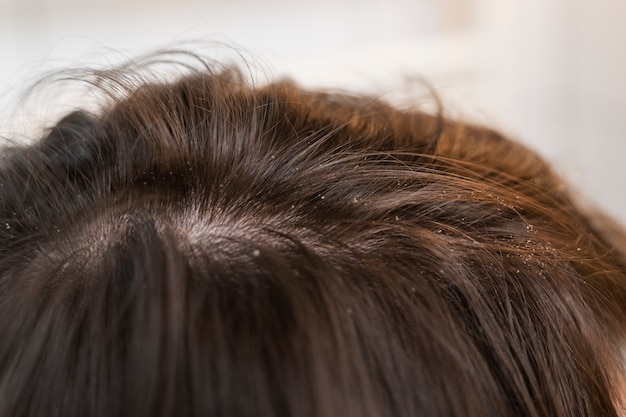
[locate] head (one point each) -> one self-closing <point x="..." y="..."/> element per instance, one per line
<point x="204" y="246"/>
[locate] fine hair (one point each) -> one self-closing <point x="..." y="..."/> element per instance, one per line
<point x="206" y="246"/>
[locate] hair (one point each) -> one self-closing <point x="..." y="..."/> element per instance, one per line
<point x="205" y="246"/>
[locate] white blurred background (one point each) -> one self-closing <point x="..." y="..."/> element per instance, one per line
<point x="551" y="73"/>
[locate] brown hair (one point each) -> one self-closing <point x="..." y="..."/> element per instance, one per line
<point x="208" y="247"/>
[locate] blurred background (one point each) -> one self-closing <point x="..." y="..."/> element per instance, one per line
<point x="551" y="73"/>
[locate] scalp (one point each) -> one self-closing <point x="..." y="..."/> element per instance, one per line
<point x="204" y="246"/>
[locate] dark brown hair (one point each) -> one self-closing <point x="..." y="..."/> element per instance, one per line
<point x="206" y="247"/>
